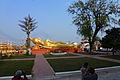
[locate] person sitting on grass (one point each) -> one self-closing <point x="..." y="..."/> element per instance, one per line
<point x="18" y="75"/>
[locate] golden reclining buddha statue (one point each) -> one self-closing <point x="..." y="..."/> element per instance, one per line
<point x="50" y="44"/>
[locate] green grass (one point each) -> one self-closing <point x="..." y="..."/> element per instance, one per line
<point x="18" y="56"/>
<point x="113" y="57"/>
<point x="49" y="55"/>
<point x="8" y="68"/>
<point x="61" y="65"/>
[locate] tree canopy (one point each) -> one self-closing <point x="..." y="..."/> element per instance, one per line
<point x="28" y="25"/>
<point x="93" y="16"/>
<point x="112" y="39"/>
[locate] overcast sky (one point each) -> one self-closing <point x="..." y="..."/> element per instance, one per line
<point x="54" y="22"/>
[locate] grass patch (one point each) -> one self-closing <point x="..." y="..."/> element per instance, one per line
<point x="8" y="68"/>
<point x="18" y="56"/>
<point x="113" y="57"/>
<point x="61" y="65"/>
<point x="49" y="55"/>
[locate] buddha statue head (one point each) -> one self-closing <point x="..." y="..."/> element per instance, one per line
<point x="37" y="40"/>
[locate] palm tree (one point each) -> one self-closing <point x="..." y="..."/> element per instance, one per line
<point x="28" y="25"/>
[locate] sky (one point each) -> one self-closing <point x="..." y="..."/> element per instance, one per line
<point x="54" y="22"/>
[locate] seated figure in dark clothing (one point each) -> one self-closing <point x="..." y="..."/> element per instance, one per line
<point x="90" y="74"/>
<point x="18" y="75"/>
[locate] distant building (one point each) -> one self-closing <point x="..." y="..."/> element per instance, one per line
<point x="85" y="45"/>
<point x="97" y="45"/>
<point x="7" y="48"/>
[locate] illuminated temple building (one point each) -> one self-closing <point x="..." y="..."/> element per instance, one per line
<point x="8" y="48"/>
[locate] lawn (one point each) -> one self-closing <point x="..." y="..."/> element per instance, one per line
<point x="61" y="65"/>
<point x="8" y="68"/>
<point x="113" y="57"/>
<point x="49" y="55"/>
<point x="18" y="56"/>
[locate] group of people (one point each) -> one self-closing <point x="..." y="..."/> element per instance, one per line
<point x="18" y="75"/>
<point x="88" y="73"/>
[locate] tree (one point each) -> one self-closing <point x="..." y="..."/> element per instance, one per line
<point x="28" y="25"/>
<point x="93" y="16"/>
<point x="112" y="39"/>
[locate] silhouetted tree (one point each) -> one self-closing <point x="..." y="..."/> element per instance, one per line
<point x="93" y="16"/>
<point x="28" y="25"/>
<point x="112" y="39"/>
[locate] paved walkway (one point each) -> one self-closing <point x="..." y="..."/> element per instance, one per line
<point x="110" y="73"/>
<point x="99" y="57"/>
<point x="102" y="58"/>
<point x="17" y="59"/>
<point x="41" y="67"/>
<point x="79" y="56"/>
<point x="89" y="56"/>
